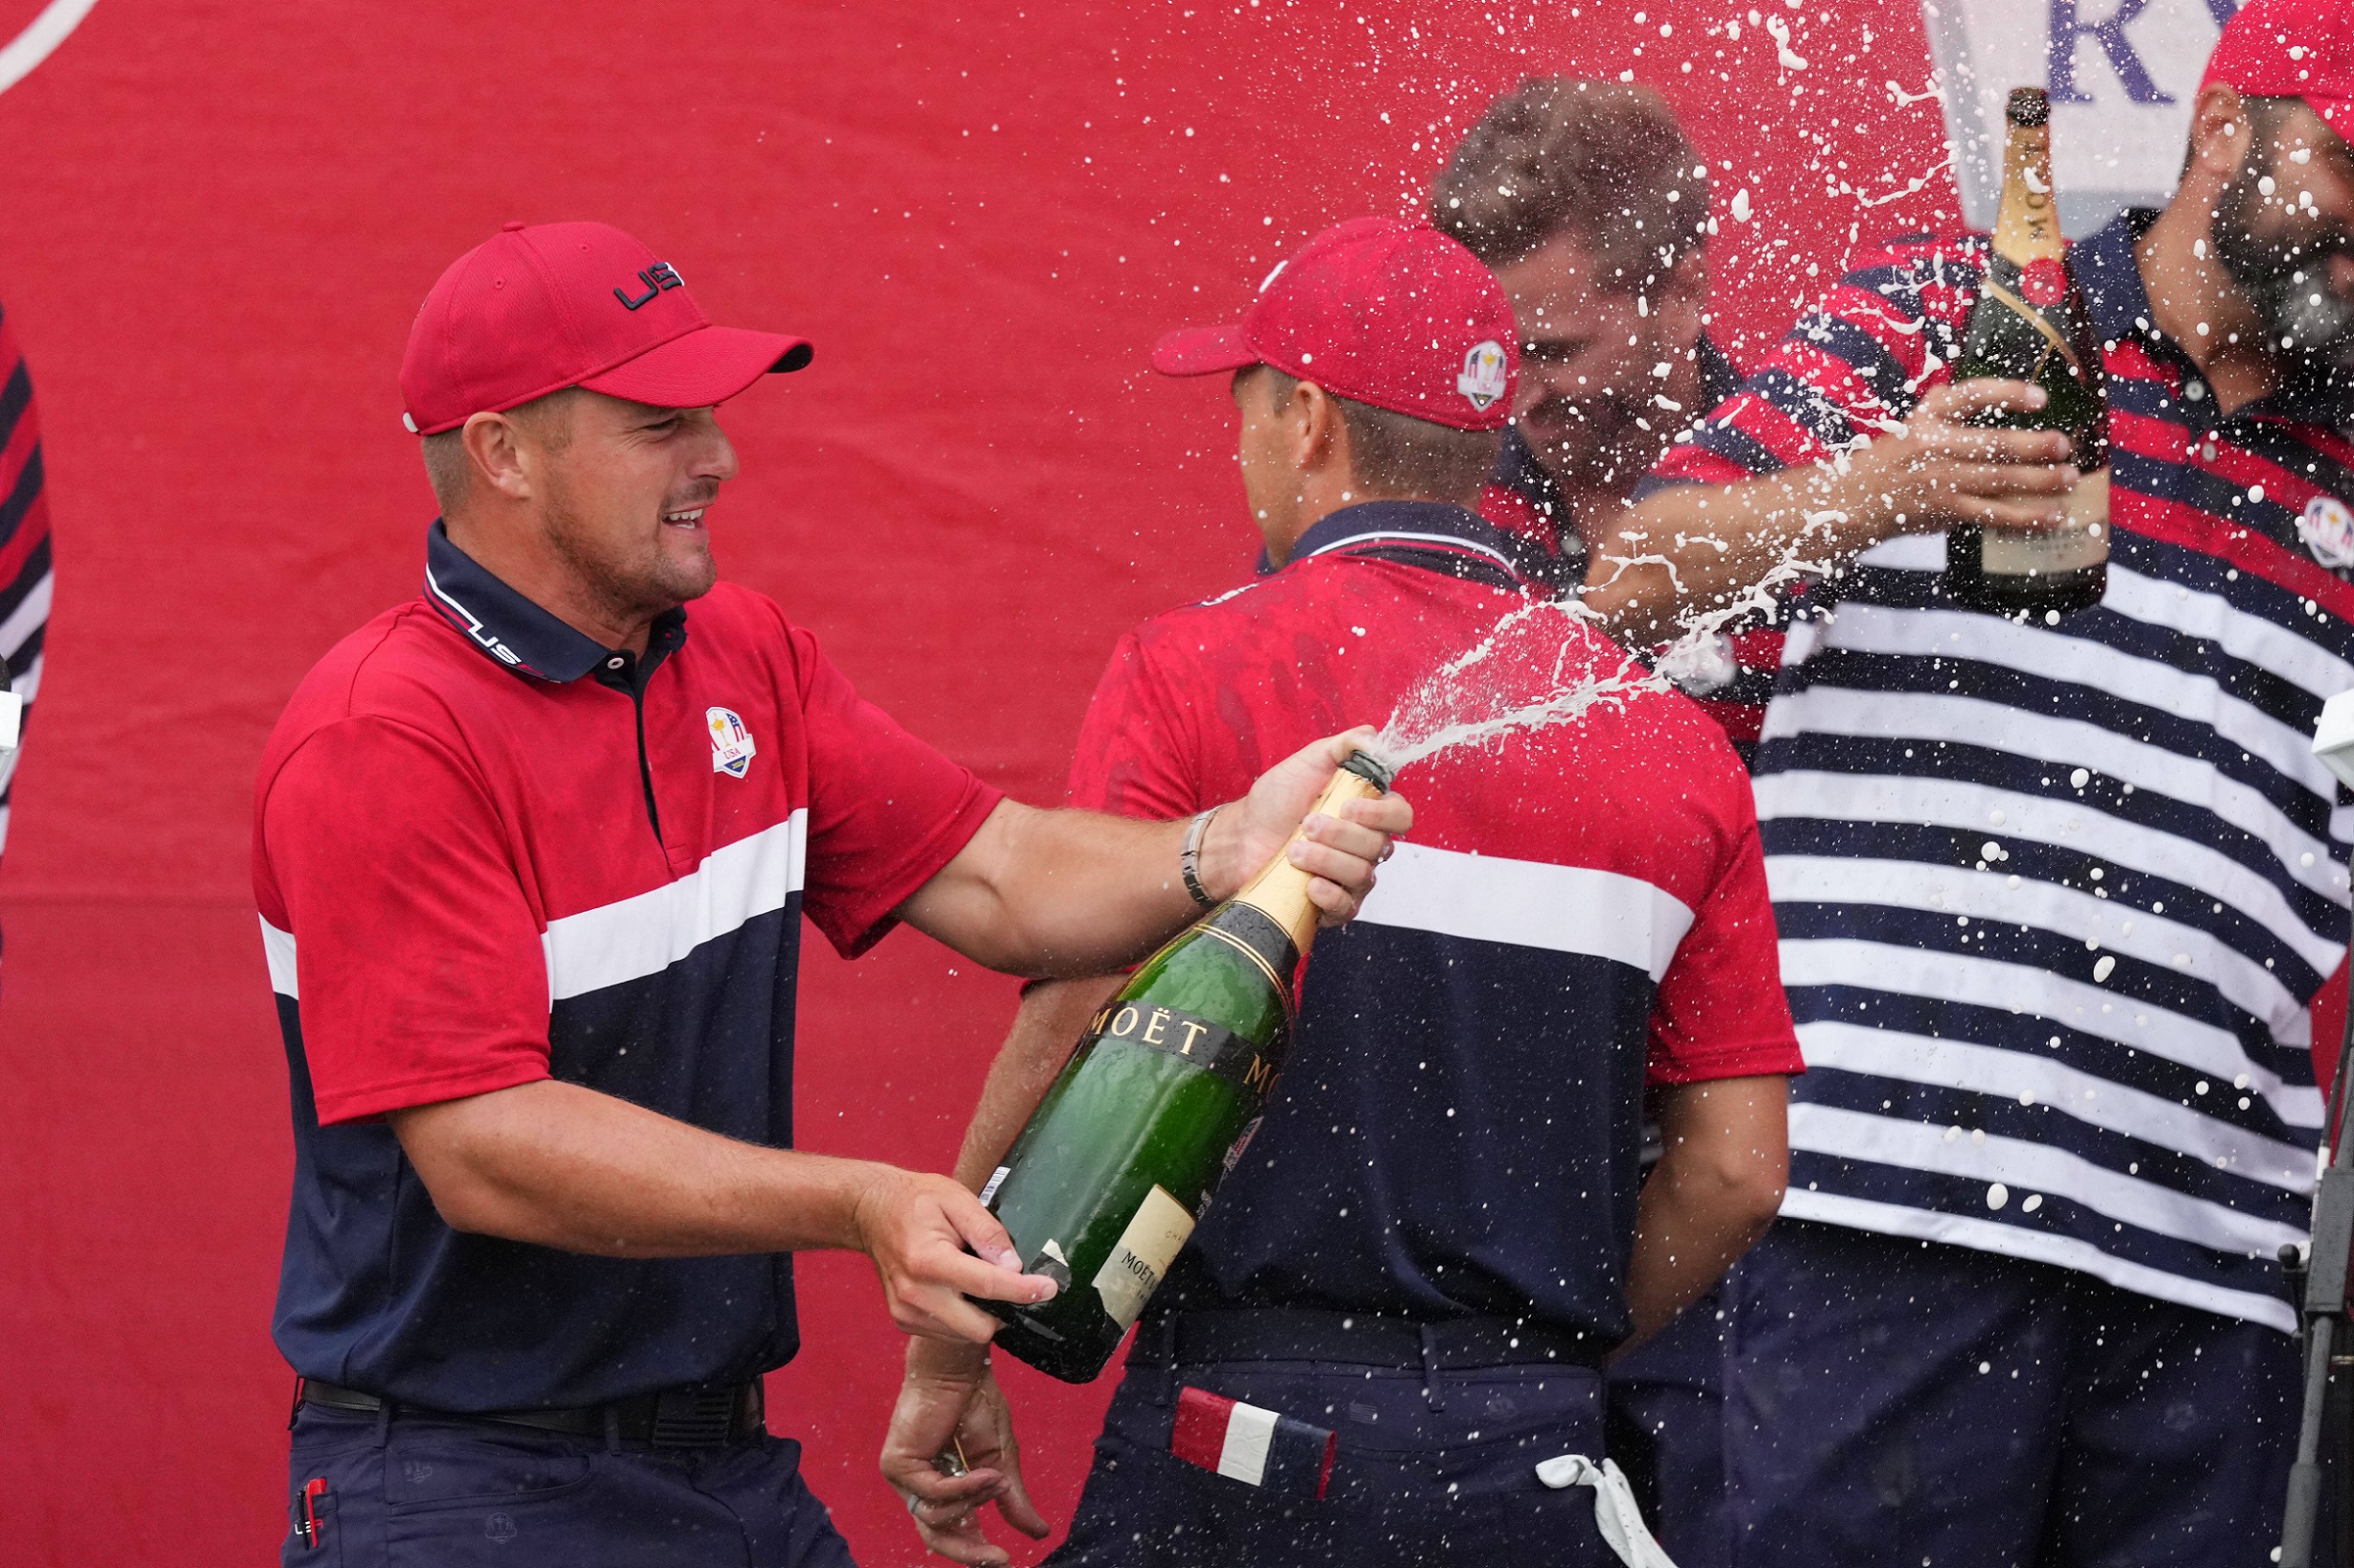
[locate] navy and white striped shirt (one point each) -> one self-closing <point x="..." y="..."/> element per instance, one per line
<point x="2054" y="899"/>
<point x="24" y="574"/>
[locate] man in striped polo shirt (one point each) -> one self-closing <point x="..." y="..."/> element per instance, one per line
<point x="2054" y="898"/>
<point x="24" y="577"/>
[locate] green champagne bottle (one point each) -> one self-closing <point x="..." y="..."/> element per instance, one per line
<point x="1118" y="1162"/>
<point x="2031" y="325"/>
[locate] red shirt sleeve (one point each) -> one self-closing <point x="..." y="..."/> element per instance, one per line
<point x="1720" y="1011"/>
<point x="886" y="810"/>
<point x="1136" y="755"/>
<point x="417" y="954"/>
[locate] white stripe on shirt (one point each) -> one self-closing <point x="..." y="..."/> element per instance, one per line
<point x="2087" y="1097"/>
<point x="1528" y="903"/>
<point x="2210" y="616"/>
<point x="2026" y="988"/>
<point x="1928" y="718"/>
<point x="2026" y="1167"/>
<point x="2104" y="925"/>
<point x="2037" y="651"/>
<point x="2069" y="824"/>
<point x="28" y="615"/>
<point x="648" y="933"/>
<point x="2038" y="1247"/>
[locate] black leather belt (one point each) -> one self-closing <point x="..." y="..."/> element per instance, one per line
<point x="674" y="1418"/>
<point x="1359" y="1338"/>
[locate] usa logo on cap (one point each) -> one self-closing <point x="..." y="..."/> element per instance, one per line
<point x="732" y="744"/>
<point x="1485" y="377"/>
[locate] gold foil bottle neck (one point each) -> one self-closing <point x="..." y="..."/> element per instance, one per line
<point x="1280" y="890"/>
<point x="2027" y="226"/>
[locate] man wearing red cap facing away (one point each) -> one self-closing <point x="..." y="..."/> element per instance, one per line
<point x="532" y="852"/>
<point x="1383" y="1344"/>
<point x="2057" y="896"/>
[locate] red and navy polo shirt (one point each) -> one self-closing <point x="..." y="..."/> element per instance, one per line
<point x="2057" y="896"/>
<point x="488" y="852"/>
<point x="1580" y="911"/>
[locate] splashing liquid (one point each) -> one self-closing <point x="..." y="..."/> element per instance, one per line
<point x="1547" y="663"/>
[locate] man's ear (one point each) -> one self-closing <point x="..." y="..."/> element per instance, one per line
<point x="2220" y="133"/>
<point x="1319" y="435"/>
<point x="494" y="446"/>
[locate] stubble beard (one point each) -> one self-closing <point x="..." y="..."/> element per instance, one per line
<point x="1604" y="450"/>
<point x="2308" y="328"/>
<point x="629" y="585"/>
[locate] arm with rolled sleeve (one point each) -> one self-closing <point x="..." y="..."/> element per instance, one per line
<point x="1848" y="432"/>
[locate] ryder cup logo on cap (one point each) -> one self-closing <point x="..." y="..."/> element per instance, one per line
<point x="1393" y="314"/>
<point x="536" y="309"/>
<point x="1484" y="380"/>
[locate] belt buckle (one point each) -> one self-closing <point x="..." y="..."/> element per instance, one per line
<point x="694" y="1418"/>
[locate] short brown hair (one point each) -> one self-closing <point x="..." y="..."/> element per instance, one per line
<point x="1603" y="160"/>
<point x="1401" y="457"/>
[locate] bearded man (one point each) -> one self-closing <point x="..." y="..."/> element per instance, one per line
<point x="2055" y="896"/>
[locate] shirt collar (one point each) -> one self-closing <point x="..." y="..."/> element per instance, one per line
<point x="510" y="629"/>
<point x="1431" y="534"/>
<point x="1718" y="378"/>
<point x="2110" y="274"/>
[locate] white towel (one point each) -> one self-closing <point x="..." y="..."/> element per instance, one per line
<point x="1614" y="1511"/>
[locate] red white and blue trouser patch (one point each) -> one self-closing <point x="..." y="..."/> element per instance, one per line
<point x="1257" y="1447"/>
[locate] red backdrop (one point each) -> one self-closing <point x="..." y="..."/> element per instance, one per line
<point x="217" y="221"/>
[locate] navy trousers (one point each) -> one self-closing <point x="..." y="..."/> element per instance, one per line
<point x="1894" y="1402"/>
<point x="1429" y="1472"/>
<point x="1664" y="1427"/>
<point x="452" y="1493"/>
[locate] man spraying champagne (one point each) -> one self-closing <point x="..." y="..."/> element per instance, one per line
<point x="1397" y="1307"/>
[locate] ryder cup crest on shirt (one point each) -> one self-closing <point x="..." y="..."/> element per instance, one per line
<point x="2327" y="526"/>
<point x="1485" y="378"/>
<point x="732" y="744"/>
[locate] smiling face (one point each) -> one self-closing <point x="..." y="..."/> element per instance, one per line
<point x="1587" y="354"/>
<point x="623" y="490"/>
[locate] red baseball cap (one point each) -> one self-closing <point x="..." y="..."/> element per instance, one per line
<point x="2291" y="49"/>
<point x="536" y="309"/>
<point x="1380" y="312"/>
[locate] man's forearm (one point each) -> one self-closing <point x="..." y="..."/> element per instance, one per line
<point x="1072" y="893"/>
<point x="1061" y="893"/>
<point x="1700" y="548"/>
<point x="568" y="1167"/>
<point x="1714" y="1192"/>
<point x="1044" y="1031"/>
